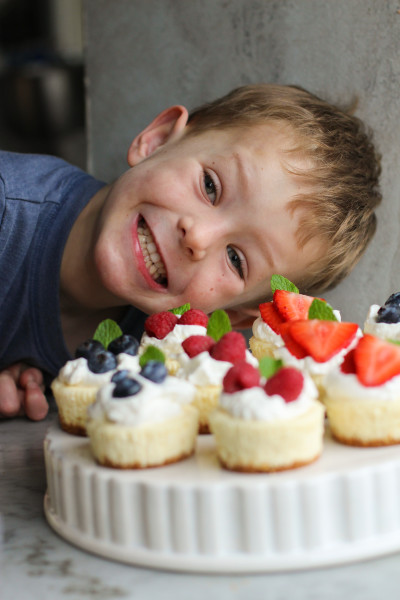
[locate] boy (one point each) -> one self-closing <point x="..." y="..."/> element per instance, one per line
<point x="269" y="179"/>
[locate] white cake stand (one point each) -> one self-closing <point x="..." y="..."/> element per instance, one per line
<point x="195" y="516"/>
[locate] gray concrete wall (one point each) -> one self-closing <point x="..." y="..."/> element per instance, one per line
<point x="144" y="55"/>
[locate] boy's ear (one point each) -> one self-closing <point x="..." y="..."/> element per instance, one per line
<point x="242" y="318"/>
<point x="166" y="126"/>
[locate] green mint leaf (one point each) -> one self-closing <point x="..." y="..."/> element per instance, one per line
<point x="218" y="324"/>
<point x="397" y="342"/>
<point x="278" y="282"/>
<point x="151" y="353"/>
<point x="268" y="366"/>
<point x="321" y="310"/>
<point x="179" y="310"/>
<point x="107" y="331"/>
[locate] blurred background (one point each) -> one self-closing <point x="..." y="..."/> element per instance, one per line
<point x="42" y="78"/>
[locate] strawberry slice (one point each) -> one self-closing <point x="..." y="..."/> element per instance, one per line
<point x="270" y="316"/>
<point x="293" y="347"/>
<point x="348" y="365"/>
<point x="292" y="306"/>
<point x="322" y="339"/>
<point x="376" y="360"/>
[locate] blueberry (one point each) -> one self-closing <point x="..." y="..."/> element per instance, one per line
<point x="155" y="371"/>
<point x="87" y="348"/>
<point x="388" y="314"/>
<point x="393" y="300"/>
<point x="101" y="362"/>
<point x="126" y="387"/>
<point x="119" y="375"/>
<point x="125" y="343"/>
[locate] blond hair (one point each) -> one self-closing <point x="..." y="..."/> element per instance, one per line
<point x="343" y="177"/>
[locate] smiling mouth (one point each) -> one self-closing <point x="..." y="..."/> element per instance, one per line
<point x="152" y="259"/>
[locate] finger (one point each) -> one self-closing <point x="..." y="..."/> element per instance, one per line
<point x="31" y="374"/>
<point x="10" y="400"/>
<point x="35" y="404"/>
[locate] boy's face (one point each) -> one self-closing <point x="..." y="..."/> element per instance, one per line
<point x="215" y="207"/>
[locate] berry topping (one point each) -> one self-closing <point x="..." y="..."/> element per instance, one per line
<point x="348" y="365"/>
<point x="291" y="344"/>
<point x="231" y="348"/>
<point x="126" y="387"/>
<point x="376" y="360"/>
<point x="394" y="299"/>
<point x="155" y="371"/>
<point x="271" y="316"/>
<point x="125" y="343"/>
<point x="241" y="376"/>
<point x="87" y="348"/>
<point x="389" y="313"/>
<point x="287" y="382"/>
<point x="322" y="339"/>
<point x="101" y="362"/>
<point x="160" y="324"/>
<point x="292" y="306"/>
<point x="196" y="344"/>
<point x="119" y="375"/>
<point x="194" y="316"/>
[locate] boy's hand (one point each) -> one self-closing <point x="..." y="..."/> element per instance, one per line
<point x="22" y="392"/>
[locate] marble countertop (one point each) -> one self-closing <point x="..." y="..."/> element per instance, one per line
<point x="36" y="563"/>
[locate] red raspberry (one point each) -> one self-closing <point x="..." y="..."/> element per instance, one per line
<point x="160" y="324"/>
<point x="241" y="376"/>
<point x="231" y="347"/>
<point x="194" y="316"/>
<point x="287" y="382"/>
<point x="195" y="344"/>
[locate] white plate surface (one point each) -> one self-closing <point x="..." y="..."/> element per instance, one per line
<point x="196" y="516"/>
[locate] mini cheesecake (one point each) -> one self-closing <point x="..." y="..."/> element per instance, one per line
<point x="285" y="307"/>
<point x="75" y="387"/>
<point x="384" y="321"/>
<point x="167" y="331"/>
<point x="205" y="363"/>
<point x="267" y="427"/>
<point x="363" y="397"/>
<point x="142" y="421"/>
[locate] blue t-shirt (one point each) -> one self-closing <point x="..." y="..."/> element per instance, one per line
<point x="40" y="199"/>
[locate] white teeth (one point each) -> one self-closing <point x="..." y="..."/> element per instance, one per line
<point x="152" y="259"/>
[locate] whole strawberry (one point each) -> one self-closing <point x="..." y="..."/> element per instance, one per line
<point x="230" y="348"/>
<point x="196" y="344"/>
<point x="241" y="376"/>
<point x="287" y="382"/>
<point x="160" y="324"/>
<point x="194" y="316"/>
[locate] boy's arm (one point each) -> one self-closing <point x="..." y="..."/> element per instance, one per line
<point x="22" y="392"/>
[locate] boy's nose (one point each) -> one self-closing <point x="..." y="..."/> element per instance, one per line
<point x="196" y="237"/>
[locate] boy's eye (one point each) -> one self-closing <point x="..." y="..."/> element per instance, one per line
<point x="236" y="261"/>
<point x="210" y="187"/>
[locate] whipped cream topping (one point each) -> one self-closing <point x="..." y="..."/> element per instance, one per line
<point x="154" y="403"/>
<point x="386" y="331"/>
<point x="203" y="369"/>
<point x="311" y="366"/>
<point x="171" y="345"/>
<point x="77" y="372"/>
<point x="152" y="259"/>
<point x="339" y="384"/>
<point x="128" y="362"/>
<point x="256" y="405"/>
<point x="263" y="332"/>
